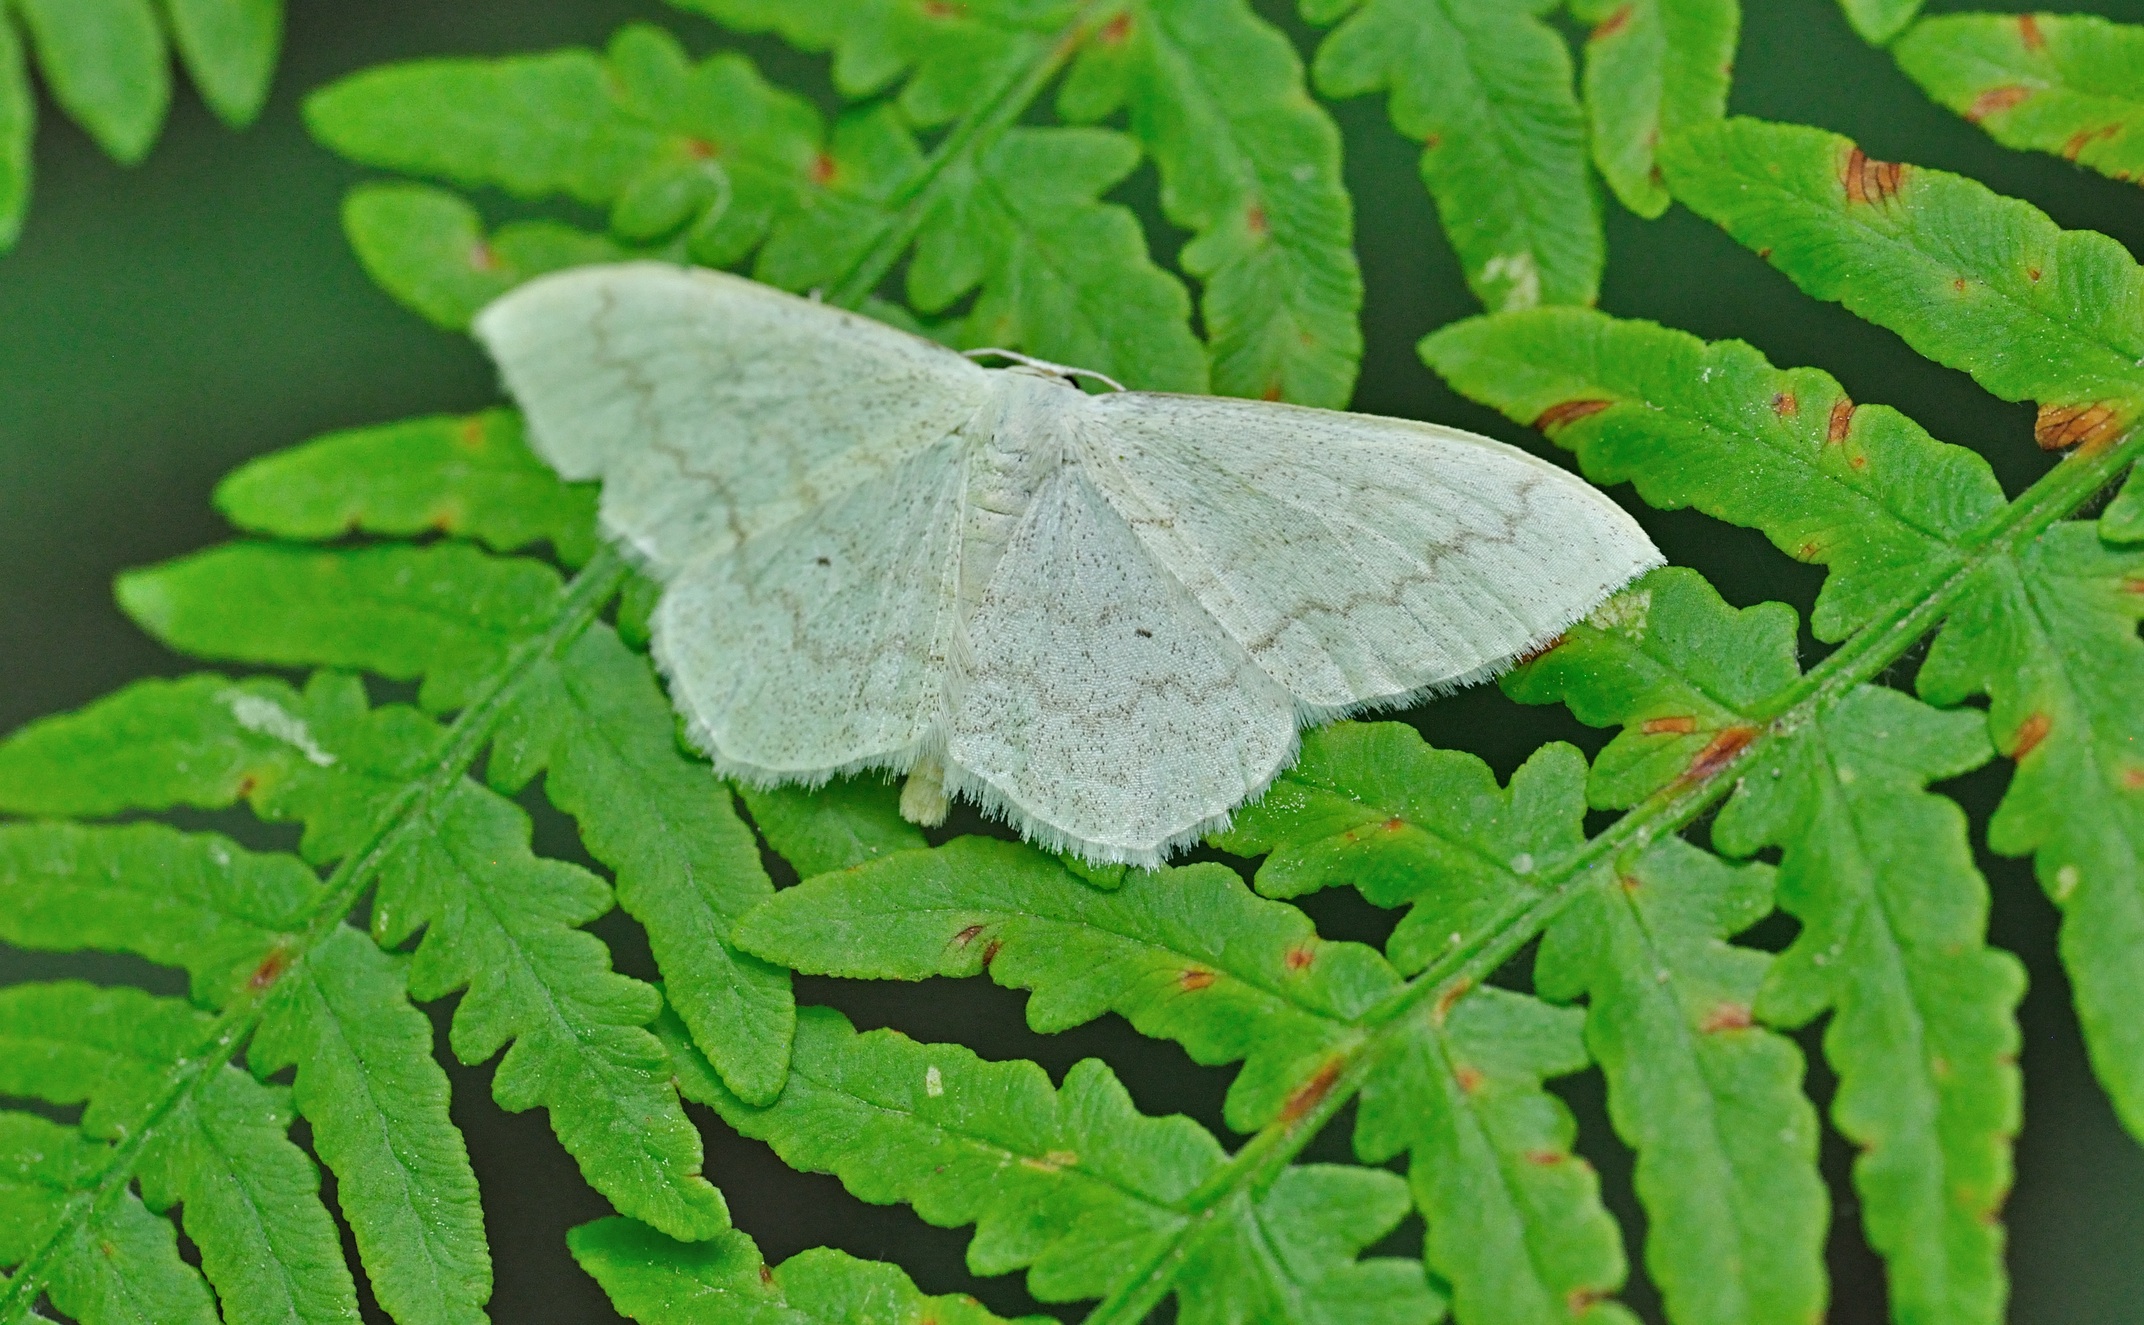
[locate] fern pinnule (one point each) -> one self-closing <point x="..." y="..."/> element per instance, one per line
<point x="1189" y="955"/>
<point x="1071" y="1182"/>
<point x="1487" y="87"/>
<point x="108" y="66"/>
<point x="1709" y="1099"/>
<point x="2062" y="83"/>
<point x="652" y="1279"/>
<point x="1653" y="69"/>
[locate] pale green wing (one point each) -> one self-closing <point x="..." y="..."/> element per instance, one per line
<point x="1104" y="712"/>
<point x="1359" y="559"/>
<point x="714" y="407"/>
<point x="822" y="645"/>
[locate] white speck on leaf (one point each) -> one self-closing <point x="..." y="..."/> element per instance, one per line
<point x="269" y="718"/>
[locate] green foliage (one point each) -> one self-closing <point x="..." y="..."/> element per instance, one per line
<point x="1486" y="86"/>
<point x="973" y="172"/>
<point x="2067" y="83"/>
<point x="1878" y="21"/>
<point x="108" y="65"/>
<point x="662" y="1282"/>
<point x="1073" y="1184"/>
<point x="1653" y="68"/>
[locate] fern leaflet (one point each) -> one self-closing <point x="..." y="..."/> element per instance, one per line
<point x="2064" y="83"/>
<point x="107" y="64"/>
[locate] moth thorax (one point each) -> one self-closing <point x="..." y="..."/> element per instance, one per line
<point x="1019" y="441"/>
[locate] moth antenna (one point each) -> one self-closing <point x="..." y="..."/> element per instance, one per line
<point x="1062" y="370"/>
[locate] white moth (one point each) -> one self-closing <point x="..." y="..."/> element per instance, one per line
<point x="1102" y="617"/>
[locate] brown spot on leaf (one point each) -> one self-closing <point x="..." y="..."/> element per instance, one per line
<point x="2059" y="426"/>
<point x="701" y="149"/>
<point x="1857" y="462"/>
<point x="1958" y="284"/>
<point x="1868" y="180"/>
<point x="1051" y="1161"/>
<point x="246" y="785"/>
<point x="1254" y="220"/>
<point x="766" y="1273"/>
<point x="1719" y="752"/>
<point x="823" y="170"/>
<point x="990" y="952"/>
<point x="1469" y="1078"/>
<point x="482" y="257"/>
<point x="470" y="436"/>
<point x="1453" y="992"/>
<point x="2028" y="31"/>
<point x="2134" y="584"/>
<point x="447" y="519"/>
<point x="1611" y="25"/>
<point x="1545" y="1158"/>
<point x="1785" y="405"/>
<point x="1680" y="724"/>
<point x="1306" y="1096"/>
<point x="1555" y="416"/>
<point x="1581" y="1300"/>
<point x="270" y="970"/>
<point x="943" y="9"/>
<point x="1842" y="419"/>
<point x="2030" y="733"/>
<point x="1629" y="883"/>
<point x="1194" y="978"/>
<point x="1764" y="254"/>
<point x="1726" y="1017"/>
<point x="2083" y="138"/>
<point x="1116" y="30"/>
<point x="1394" y="824"/>
<point x="1272" y="391"/>
<point x="967" y="936"/>
<point x="2032" y="274"/>
<point x="2133" y="778"/>
<point x="1299" y="957"/>
<point x="1995" y="100"/>
<point x="1807" y="551"/>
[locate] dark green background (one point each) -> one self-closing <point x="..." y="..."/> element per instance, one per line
<point x="160" y="324"/>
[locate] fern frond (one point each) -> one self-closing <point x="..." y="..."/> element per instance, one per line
<point x="1859" y="488"/>
<point x="115" y="1263"/>
<point x="1373" y="805"/>
<point x="471" y="476"/>
<point x="591" y="715"/>
<point x="108" y="65"/>
<point x="1251" y="166"/>
<point x="708" y="162"/>
<point x="2072" y="84"/>
<point x="1653" y="69"/>
<point x="383" y="792"/>
<point x="1515" y="1221"/>
<point x="377" y="1104"/>
<point x="686" y="866"/>
<point x="1969" y="278"/>
<point x="428" y="248"/>
<point x="846" y="822"/>
<point x="1893" y="912"/>
<point x="195" y="901"/>
<point x="1188" y="955"/>
<point x="1710" y="1101"/>
<point x="250" y="1198"/>
<point x="657" y="1281"/>
<point x="1486" y="86"/>
<point x="1072" y="1183"/>
<point x="2033" y="313"/>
